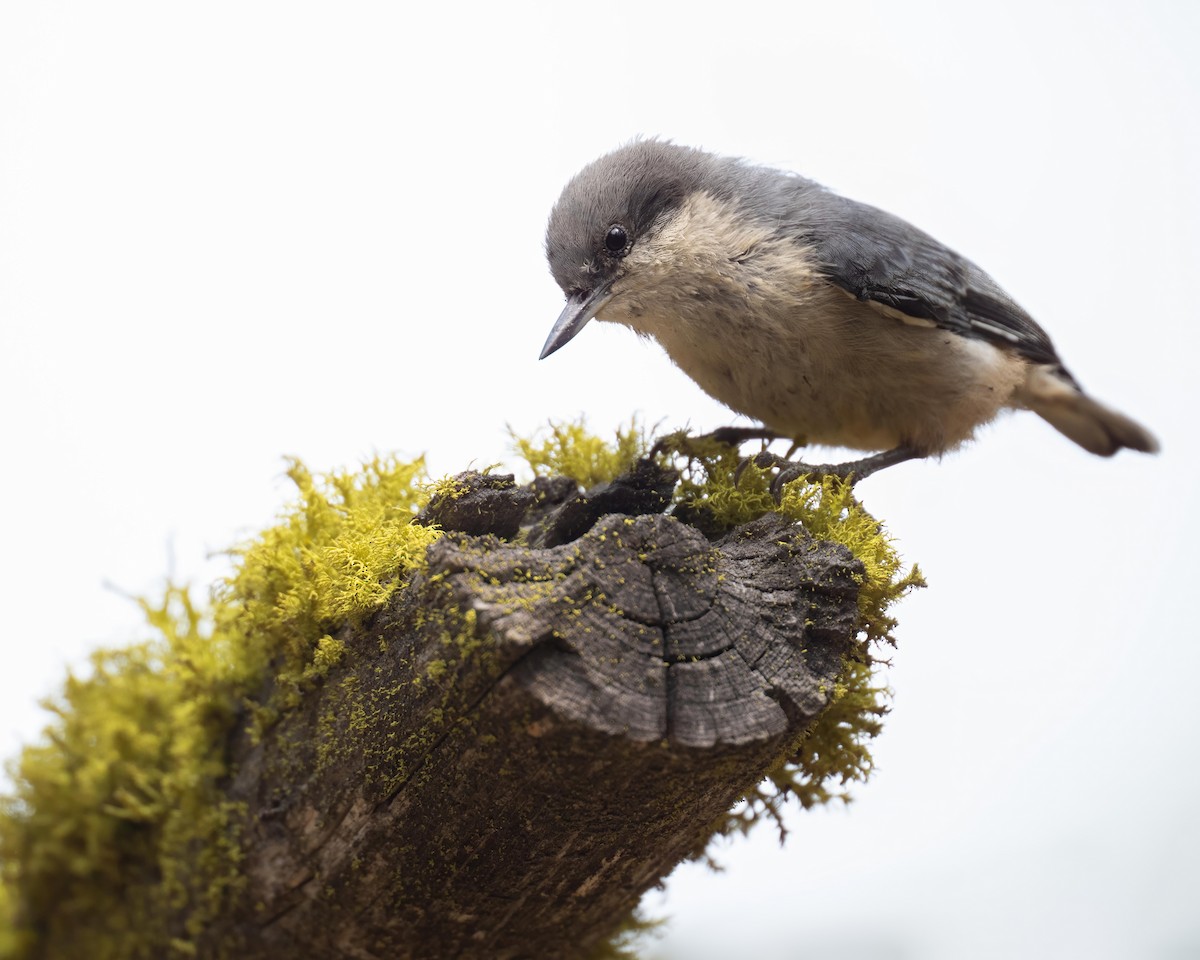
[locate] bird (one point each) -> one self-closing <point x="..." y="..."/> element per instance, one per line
<point x="824" y="319"/>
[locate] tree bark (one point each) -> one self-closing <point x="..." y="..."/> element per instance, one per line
<point x="530" y="735"/>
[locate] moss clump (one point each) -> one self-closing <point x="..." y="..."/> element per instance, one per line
<point x="570" y="450"/>
<point x="345" y="547"/>
<point x="115" y="840"/>
<point x="116" y="823"/>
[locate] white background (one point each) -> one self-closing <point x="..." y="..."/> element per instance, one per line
<point x="231" y="231"/>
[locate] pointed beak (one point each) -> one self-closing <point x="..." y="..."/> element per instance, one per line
<point x="579" y="309"/>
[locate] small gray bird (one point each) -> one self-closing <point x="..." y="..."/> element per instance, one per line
<point x="828" y="320"/>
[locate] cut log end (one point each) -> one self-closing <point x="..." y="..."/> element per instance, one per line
<point x="533" y="734"/>
<point x="645" y="629"/>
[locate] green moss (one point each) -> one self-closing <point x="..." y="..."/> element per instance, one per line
<point x="829" y="511"/>
<point x="328" y="652"/>
<point x="115" y="840"/>
<point x="11" y="941"/>
<point x="343" y="549"/>
<point x="571" y="450"/>
<point x="116" y="822"/>
<point x="450" y="487"/>
<point x="834" y="752"/>
<point x="711" y="484"/>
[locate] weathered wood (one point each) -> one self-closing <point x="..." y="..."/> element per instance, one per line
<point x="529" y="737"/>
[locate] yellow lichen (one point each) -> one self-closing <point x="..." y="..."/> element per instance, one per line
<point x="115" y="840"/>
<point x="829" y="510"/>
<point x="570" y="450"/>
<point x="115" y="822"/>
<point x="328" y="652"/>
<point x="343" y="549"/>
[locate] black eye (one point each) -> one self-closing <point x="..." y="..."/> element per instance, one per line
<point x="616" y="241"/>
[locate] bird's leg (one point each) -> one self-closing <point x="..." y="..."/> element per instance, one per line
<point x="851" y="472"/>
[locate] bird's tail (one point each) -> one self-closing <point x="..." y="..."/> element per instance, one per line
<point x="1052" y="395"/>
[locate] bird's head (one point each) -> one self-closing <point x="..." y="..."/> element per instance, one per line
<point x="604" y="226"/>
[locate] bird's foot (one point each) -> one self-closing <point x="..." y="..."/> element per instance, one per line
<point x="787" y="469"/>
<point x="736" y="436"/>
<point x="850" y="472"/>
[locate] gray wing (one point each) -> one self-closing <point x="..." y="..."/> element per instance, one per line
<point x="882" y="259"/>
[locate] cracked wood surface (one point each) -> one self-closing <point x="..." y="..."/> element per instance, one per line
<point x="530" y="736"/>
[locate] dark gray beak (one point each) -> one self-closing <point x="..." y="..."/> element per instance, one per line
<point x="580" y="308"/>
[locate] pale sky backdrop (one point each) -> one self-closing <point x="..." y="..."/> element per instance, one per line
<point x="231" y="231"/>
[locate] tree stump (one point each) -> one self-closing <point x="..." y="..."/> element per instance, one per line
<point x="530" y="735"/>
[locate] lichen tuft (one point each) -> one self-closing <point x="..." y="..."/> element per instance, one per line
<point x="569" y="449"/>
<point x="115" y="841"/>
<point x="115" y="823"/>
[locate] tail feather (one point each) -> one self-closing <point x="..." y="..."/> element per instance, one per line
<point x="1092" y="425"/>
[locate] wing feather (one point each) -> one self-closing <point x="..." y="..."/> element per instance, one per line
<point x="885" y="261"/>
